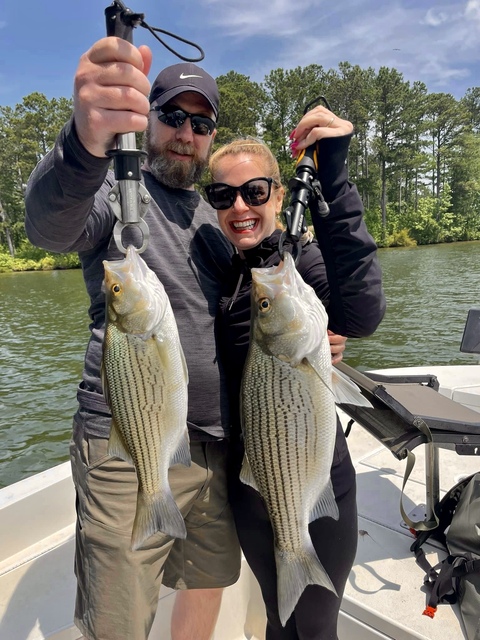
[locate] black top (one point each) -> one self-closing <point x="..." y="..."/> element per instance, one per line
<point x="342" y="267"/>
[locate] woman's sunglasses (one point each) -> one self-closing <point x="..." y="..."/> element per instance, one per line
<point x="254" y="193"/>
<point x="175" y="117"/>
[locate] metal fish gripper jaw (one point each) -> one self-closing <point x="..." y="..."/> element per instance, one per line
<point x="129" y="198"/>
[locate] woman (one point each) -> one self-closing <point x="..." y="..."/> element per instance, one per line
<point x="343" y="270"/>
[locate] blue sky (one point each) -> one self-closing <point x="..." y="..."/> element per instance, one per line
<point x="433" y="42"/>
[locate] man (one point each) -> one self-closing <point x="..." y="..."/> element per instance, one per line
<point x="67" y="210"/>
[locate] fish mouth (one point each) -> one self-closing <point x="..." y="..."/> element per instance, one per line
<point x="129" y="267"/>
<point x="276" y="281"/>
<point x="272" y="275"/>
<point x="244" y="226"/>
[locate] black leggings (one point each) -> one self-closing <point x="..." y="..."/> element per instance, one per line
<point x="335" y="541"/>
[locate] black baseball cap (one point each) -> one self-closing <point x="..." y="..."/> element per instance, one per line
<point x="182" y="77"/>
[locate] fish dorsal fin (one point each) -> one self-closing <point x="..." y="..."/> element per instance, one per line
<point x="326" y="505"/>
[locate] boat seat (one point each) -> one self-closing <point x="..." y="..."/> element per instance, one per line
<point x="400" y="403"/>
<point x="408" y="411"/>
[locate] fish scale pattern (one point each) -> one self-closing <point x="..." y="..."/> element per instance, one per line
<point x="145" y="381"/>
<point x="289" y="422"/>
<point x="137" y="399"/>
<point x="283" y="440"/>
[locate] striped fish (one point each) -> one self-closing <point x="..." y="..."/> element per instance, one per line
<point x="145" y="383"/>
<point x="288" y="396"/>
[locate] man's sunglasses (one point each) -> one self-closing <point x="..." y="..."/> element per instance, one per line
<point x="175" y="117"/>
<point x="254" y="193"/>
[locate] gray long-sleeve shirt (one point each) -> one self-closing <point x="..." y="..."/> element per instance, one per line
<point x="67" y="210"/>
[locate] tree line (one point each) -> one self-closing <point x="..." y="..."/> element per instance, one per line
<point x="414" y="155"/>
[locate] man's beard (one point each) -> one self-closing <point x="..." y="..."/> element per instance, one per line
<point x="177" y="174"/>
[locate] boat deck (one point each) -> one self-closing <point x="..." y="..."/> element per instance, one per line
<point x="384" y="597"/>
<point x="385" y="590"/>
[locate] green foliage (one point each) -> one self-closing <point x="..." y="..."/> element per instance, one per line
<point x="414" y="155"/>
<point x="27" y="133"/>
<point x="401" y="238"/>
<point x="426" y="229"/>
<point x="241" y="103"/>
<point x="434" y="221"/>
<point x="373" y="220"/>
<point x="30" y="258"/>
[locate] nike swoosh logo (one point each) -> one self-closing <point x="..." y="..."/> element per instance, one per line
<point x="184" y="76"/>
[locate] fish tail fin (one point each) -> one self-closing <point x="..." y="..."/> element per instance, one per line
<point x="346" y="391"/>
<point x="156" y="513"/>
<point x="295" y="571"/>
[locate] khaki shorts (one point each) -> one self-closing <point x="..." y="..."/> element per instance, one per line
<point x="118" y="589"/>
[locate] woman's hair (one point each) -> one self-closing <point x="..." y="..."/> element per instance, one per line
<point x="252" y="147"/>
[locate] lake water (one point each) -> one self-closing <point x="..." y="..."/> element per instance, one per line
<point x="44" y="321"/>
<point x="429" y="291"/>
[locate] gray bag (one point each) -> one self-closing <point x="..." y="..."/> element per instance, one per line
<point x="463" y="540"/>
<point x="457" y="578"/>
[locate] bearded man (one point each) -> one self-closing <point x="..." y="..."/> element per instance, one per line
<point x="67" y="209"/>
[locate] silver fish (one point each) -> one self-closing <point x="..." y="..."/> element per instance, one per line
<point x="145" y="382"/>
<point x="289" y="390"/>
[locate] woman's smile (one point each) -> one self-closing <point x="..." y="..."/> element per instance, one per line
<point x="241" y="226"/>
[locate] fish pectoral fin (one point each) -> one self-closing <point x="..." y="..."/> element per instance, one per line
<point x="246" y="474"/>
<point x="310" y="364"/>
<point x="326" y="505"/>
<point x="182" y="454"/>
<point x="116" y="444"/>
<point x="295" y="571"/>
<point x="157" y="513"/>
<point x="346" y="391"/>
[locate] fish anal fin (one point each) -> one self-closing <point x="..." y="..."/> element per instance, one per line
<point x="116" y="444"/>
<point x="157" y="513"/>
<point x="182" y="454"/>
<point x="295" y="571"/>
<point x="246" y="474"/>
<point x="326" y="505"/>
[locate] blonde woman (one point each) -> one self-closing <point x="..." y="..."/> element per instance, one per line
<point x="342" y="267"/>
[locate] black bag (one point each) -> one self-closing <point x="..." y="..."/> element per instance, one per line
<point x="457" y="578"/>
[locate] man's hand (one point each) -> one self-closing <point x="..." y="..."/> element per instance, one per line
<point x="111" y="93"/>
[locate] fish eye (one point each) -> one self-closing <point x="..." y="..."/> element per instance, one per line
<point x="116" y="288"/>
<point x="264" y="304"/>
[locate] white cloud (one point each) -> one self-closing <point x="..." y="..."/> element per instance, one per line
<point x="253" y="18"/>
<point x="472" y="10"/>
<point x="434" y="18"/>
<point x="437" y="46"/>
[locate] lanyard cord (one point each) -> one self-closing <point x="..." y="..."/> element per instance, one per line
<point x="121" y="20"/>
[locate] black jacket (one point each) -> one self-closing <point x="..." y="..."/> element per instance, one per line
<point x="342" y="267"/>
